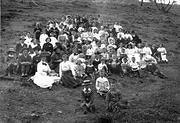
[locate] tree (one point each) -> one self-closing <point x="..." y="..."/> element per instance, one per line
<point x="142" y="1"/>
<point x="163" y="6"/>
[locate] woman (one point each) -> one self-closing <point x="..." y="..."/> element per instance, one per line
<point x="67" y="73"/>
<point x="44" y="77"/>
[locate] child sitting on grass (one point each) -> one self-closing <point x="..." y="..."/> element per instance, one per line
<point x="102" y="83"/>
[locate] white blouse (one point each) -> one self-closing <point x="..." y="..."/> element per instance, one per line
<point x="65" y="66"/>
<point x="102" y="83"/>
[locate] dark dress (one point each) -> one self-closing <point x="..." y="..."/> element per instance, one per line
<point x="68" y="80"/>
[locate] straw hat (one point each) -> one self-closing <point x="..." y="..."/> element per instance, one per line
<point x="11" y="50"/>
<point x="86" y="82"/>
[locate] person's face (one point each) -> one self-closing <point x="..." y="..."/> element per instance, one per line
<point x="58" y="50"/>
<point x="22" y="41"/>
<point x="102" y="73"/>
<point x="64" y="58"/>
<point x="48" y="40"/>
<point x="25" y="52"/>
<point x="43" y="59"/>
<point x="133" y="59"/>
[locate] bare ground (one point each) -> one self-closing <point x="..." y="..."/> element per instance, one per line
<point x="153" y="100"/>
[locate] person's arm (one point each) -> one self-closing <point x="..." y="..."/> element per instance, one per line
<point x="107" y="84"/>
<point x="97" y="84"/>
<point x="60" y="70"/>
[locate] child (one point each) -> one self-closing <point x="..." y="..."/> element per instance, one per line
<point x="134" y="67"/>
<point x="87" y="97"/>
<point x="25" y="62"/>
<point x="103" y="65"/>
<point x="79" y="70"/>
<point x="90" y="69"/>
<point x="163" y="52"/>
<point x="102" y="84"/>
<point x="11" y="62"/>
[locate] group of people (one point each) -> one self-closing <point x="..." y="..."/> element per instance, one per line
<point x="77" y="47"/>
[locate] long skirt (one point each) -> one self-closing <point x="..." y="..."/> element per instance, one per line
<point x="68" y="80"/>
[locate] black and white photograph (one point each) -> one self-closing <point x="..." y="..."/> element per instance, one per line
<point x="90" y="61"/>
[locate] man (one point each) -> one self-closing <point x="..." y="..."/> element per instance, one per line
<point x="25" y="62"/>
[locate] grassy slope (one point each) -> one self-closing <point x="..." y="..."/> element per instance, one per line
<point x="151" y="97"/>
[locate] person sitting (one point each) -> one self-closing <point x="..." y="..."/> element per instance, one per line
<point x="48" y="47"/>
<point x="147" y="49"/>
<point x="11" y="61"/>
<point x="102" y="83"/>
<point x="114" y="65"/>
<point x="79" y="70"/>
<point x="25" y="62"/>
<point x="152" y="68"/>
<point x="90" y="69"/>
<point x="87" y="97"/>
<point x="125" y="66"/>
<point x="67" y="73"/>
<point x="114" y="101"/>
<point x="56" y="58"/>
<point x="20" y="45"/>
<point x="96" y="61"/>
<point x="35" y="60"/>
<point x="162" y="50"/>
<point x="103" y="65"/>
<point x="44" y="76"/>
<point x="134" y="67"/>
<point x="37" y="31"/>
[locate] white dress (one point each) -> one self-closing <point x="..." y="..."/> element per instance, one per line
<point x="41" y="78"/>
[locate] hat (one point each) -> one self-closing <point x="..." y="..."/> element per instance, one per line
<point x="11" y="50"/>
<point x="22" y="38"/>
<point x="24" y="49"/>
<point x="44" y="54"/>
<point x="86" y="82"/>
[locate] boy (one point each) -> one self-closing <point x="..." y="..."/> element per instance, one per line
<point x="25" y="62"/>
<point x="87" y="97"/>
<point x="102" y="84"/>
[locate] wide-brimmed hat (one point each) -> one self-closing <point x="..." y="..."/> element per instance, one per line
<point x="24" y="49"/>
<point x="22" y="38"/>
<point x="11" y="50"/>
<point x="86" y="82"/>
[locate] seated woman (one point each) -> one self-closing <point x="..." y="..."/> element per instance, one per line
<point x="102" y="83"/>
<point x="11" y="62"/>
<point x="56" y="58"/>
<point x="67" y="73"/>
<point x="44" y="77"/>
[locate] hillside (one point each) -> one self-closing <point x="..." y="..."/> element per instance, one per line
<point x="154" y="100"/>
